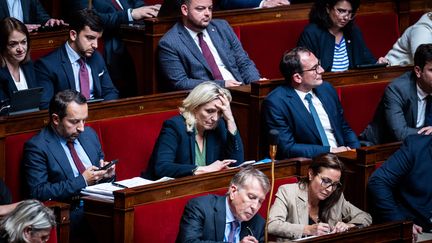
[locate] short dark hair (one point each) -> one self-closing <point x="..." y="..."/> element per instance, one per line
<point x="320" y="162"/>
<point x="319" y="15"/>
<point x="85" y="17"/>
<point x="423" y="55"/>
<point x="291" y="64"/>
<point x="58" y="104"/>
<point x="7" y="26"/>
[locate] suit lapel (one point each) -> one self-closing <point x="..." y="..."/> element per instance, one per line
<point x="329" y="108"/>
<point x="67" y="67"/>
<point x="220" y="218"/>
<point x="89" y="148"/>
<point x="4" y="8"/>
<point x="302" y="207"/>
<point x="301" y="111"/>
<point x="97" y="90"/>
<point x="189" y="43"/>
<point x="192" y="145"/>
<point x="11" y="83"/>
<point x="26" y="11"/>
<point x="413" y="99"/>
<point x="58" y="153"/>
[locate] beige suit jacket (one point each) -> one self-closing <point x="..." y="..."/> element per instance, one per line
<point x="289" y="213"/>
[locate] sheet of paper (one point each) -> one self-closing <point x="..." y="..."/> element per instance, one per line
<point x="139" y="181"/>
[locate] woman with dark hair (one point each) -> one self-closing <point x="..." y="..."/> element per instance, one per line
<point x="16" y="68"/>
<point x="334" y="38"/>
<point x="315" y="205"/>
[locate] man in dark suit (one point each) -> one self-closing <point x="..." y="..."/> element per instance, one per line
<point x="404" y="108"/>
<point x="235" y="4"/>
<point x="113" y="14"/>
<point x="401" y="189"/>
<point x="198" y="49"/>
<point x="306" y="110"/>
<point x="230" y="218"/>
<point x="77" y="65"/>
<point x="30" y="12"/>
<point x="65" y="156"/>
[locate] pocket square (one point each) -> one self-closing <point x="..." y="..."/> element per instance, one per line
<point x="101" y="73"/>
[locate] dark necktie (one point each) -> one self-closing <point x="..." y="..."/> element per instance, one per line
<point x="77" y="161"/>
<point x="317" y="121"/>
<point x="232" y="233"/>
<point x="209" y="58"/>
<point x="84" y="79"/>
<point x="428" y="111"/>
<point x="116" y="5"/>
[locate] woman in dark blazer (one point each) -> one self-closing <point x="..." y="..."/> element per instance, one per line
<point x="334" y="38"/>
<point x="198" y="141"/>
<point x="16" y="68"/>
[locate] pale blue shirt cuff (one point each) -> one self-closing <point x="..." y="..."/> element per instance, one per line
<point x="129" y="12"/>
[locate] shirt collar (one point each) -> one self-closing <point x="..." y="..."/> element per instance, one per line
<point x="420" y="93"/>
<point x="229" y="216"/>
<point x="72" y="54"/>
<point x="194" y="34"/>
<point x="302" y="94"/>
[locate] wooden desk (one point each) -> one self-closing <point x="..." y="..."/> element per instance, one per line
<point x="44" y="42"/>
<point x="400" y="231"/>
<point x="114" y="222"/>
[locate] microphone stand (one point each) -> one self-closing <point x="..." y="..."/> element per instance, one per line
<point x="272" y="152"/>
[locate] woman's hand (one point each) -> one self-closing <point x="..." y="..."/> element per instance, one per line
<point x="341" y="227"/>
<point x="215" y="166"/>
<point x="317" y="229"/>
<point x="225" y="109"/>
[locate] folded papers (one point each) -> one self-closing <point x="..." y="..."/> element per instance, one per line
<point x="105" y="190"/>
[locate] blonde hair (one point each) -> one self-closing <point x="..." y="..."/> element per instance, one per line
<point x="202" y="94"/>
<point x="28" y="213"/>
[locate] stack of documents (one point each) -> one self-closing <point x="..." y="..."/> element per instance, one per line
<point x="105" y="190"/>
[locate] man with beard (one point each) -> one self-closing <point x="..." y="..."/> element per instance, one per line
<point x="65" y="157"/>
<point x="230" y="218"/>
<point x="199" y="49"/>
<point x="77" y="65"/>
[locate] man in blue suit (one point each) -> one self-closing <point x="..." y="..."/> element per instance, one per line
<point x="306" y="111"/>
<point x="401" y="189"/>
<point x="199" y="49"/>
<point x="65" y="156"/>
<point x="30" y="12"/>
<point x="113" y="14"/>
<point x="77" y="65"/>
<point x="235" y="4"/>
<point x="230" y="218"/>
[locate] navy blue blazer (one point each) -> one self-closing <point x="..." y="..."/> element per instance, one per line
<point x="33" y="12"/>
<point x="298" y="136"/>
<point x="47" y="169"/>
<point x="234" y="4"/>
<point x="401" y="188"/>
<point x="204" y="220"/>
<point x="174" y="152"/>
<point x="7" y="84"/>
<point x="322" y="43"/>
<point x="396" y="115"/>
<point x="183" y="65"/>
<point x="54" y="73"/>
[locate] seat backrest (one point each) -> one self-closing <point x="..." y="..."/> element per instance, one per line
<point x="131" y="140"/>
<point x="360" y="102"/>
<point x="266" y="43"/>
<point x="380" y="31"/>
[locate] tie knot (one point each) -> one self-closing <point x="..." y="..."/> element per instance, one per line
<point x="308" y="97"/>
<point x="234" y="225"/>
<point x="70" y="144"/>
<point x="81" y="61"/>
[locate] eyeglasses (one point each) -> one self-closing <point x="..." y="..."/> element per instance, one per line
<point x="326" y="183"/>
<point x="314" y="68"/>
<point x="344" y="13"/>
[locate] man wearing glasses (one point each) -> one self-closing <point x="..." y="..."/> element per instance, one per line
<point x="306" y="110"/>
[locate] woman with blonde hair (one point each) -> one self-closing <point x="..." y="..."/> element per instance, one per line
<point x="29" y="222"/>
<point x="198" y="141"/>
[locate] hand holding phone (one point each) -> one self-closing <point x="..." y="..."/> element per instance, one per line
<point x="107" y="166"/>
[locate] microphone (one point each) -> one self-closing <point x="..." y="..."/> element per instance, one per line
<point x="273" y="141"/>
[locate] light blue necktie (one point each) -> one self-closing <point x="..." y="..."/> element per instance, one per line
<point x="317" y="121"/>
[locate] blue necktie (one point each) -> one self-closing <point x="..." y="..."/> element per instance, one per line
<point x="317" y="121"/>
<point x="232" y="233"/>
<point x="428" y="111"/>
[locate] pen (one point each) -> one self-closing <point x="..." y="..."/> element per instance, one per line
<point x="250" y="231"/>
<point x="118" y="185"/>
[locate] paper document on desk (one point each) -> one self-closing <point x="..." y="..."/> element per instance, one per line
<point x="101" y="189"/>
<point x="138" y="181"/>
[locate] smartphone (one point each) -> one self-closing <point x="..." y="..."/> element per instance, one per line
<point x="107" y="166"/>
